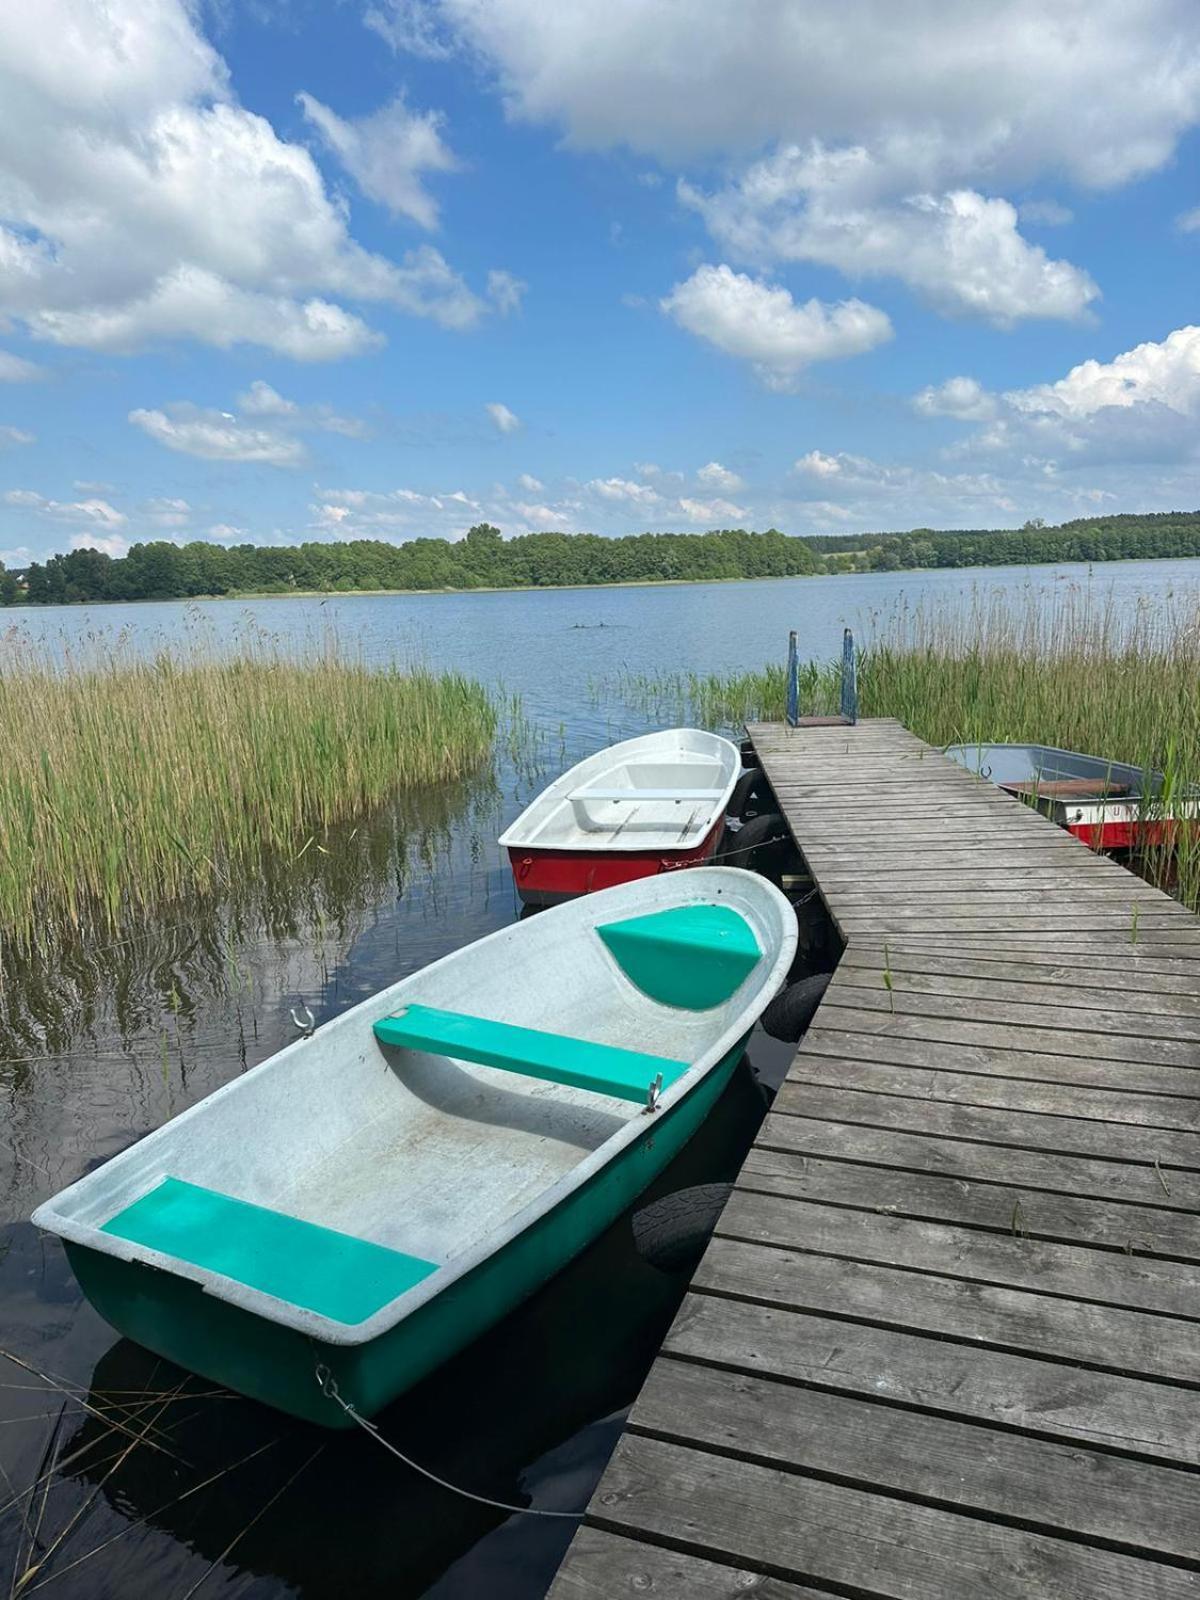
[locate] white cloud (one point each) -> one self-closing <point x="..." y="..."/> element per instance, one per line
<point x="89" y="513"/>
<point x="539" y="518"/>
<point x="217" y="436"/>
<point x="711" y="511"/>
<point x="143" y="203"/>
<point x="165" y="512"/>
<point x="505" y="420"/>
<point x="15" y="369"/>
<point x="1165" y="374"/>
<point x="388" y="153"/>
<point x="397" y="514"/>
<point x="902" y="126"/>
<point x="1098" y="89"/>
<point x="13" y="436"/>
<point x="963" y="398"/>
<point x="112" y="544"/>
<point x="818" y="465"/>
<point x="530" y="484"/>
<point x="1189" y="221"/>
<point x="260" y="400"/>
<point x="959" y="250"/>
<point x="761" y="323"/>
<point x="411" y="28"/>
<point x="624" y="492"/>
<point x="715" y="476"/>
<point x="505" y="290"/>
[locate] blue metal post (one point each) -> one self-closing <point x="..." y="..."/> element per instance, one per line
<point x="849" y="678"/>
<point x="793" y="681"/>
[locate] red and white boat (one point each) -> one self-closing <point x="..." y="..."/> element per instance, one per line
<point x="645" y="806"/>
<point x="1110" y="805"/>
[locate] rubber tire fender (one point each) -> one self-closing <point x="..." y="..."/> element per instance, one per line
<point x="672" y="1232"/>
<point x="793" y="1008"/>
<point x="737" y="849"/>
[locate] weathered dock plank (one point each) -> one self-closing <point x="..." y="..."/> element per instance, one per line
<point x="944" y="1340"/>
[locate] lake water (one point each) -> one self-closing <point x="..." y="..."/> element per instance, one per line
<point x="107" y="1043"/>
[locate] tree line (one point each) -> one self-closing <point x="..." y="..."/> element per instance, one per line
<point x="160" y="570"/>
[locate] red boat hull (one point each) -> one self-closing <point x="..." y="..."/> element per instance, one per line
<point x="547" y="877"/>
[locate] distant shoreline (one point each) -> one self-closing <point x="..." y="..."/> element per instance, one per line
<point x="560" y="588"/>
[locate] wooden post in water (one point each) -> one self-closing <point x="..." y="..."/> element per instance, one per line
<point x="793" y="681"/>
<point x="849" y="678"/>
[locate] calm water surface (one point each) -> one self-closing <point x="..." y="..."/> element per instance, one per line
<point x="106" y="1043"/>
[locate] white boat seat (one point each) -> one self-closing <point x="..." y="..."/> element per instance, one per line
<point x="556" y="1057"/>
<point x="680" y="796"/>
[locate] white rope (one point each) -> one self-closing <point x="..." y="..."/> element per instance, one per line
<point x="329" y="1388"/>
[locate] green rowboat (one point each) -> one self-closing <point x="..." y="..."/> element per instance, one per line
<point x="369" y="1200"/>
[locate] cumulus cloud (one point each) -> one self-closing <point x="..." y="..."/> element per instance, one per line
<point x="395" y="514"/>
<point x="963" y="398"/>
<point x="711" y="511"/>
<point x="1094" y="88"/>
<point x="1166" y="374"/>
<point x="959" y="250"/>
<point x="142" y="203"/>
<point x="715" y="476"/>
<point x="761" y="323"/>
<point x="14" y="436"/>
<point x="165" y="512"/>
<point x="218" y="436"/>
<point x="530" y="484"/>
<point x="261" y="400"/>
<point x="892" y="131"/>
<point x="388" y="153"/>
<point x="115" y="545"/>
<point x="505" y="420"/>
<point x="93" y="513"/>
<point x="817" y="465"/>
<point x="624" y="492"/>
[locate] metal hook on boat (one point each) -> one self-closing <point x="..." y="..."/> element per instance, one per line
<point x="304" y="1020"/>
<point x="654" y="1095"/>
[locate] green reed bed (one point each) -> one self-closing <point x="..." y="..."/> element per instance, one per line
<point x="1058" y="668"/>
<point x="128" y="784"/>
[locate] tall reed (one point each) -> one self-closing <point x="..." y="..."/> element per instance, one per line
<point x="128" y="783"/>
<point x="1059" y="667"/>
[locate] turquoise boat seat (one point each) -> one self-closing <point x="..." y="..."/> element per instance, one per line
<point x="557" y="1057"/>
<point x="334" y="1274"/>
<point x="694" y="957"/>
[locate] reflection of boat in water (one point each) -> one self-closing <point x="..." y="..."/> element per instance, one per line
<point x="1110" y="805"/>
<point x="369" y="1200"/>
<point x="511" y="1417"/>
<point x="645" y="806"/>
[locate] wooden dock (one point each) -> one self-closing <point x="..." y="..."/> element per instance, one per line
<point x="944" y="1343"/>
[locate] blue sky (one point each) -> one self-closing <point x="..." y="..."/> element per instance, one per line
<point x="384" y="268"/>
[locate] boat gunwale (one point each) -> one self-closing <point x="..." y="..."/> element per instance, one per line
<point x="326" y="1330"/>
<point x="513" y="837"/>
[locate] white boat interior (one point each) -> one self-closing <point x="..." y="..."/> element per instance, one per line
<point x="664" y="791"/>
<point x="432" y="1122"/>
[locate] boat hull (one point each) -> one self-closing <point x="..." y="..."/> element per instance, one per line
<point x="173" y="1317"/>
<point x="548" y="877"/>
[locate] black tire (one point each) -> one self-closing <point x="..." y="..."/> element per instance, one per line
<point x="672" y="1232"/>
<point x="791" y="1011"/>
<point x="754" y="842"/>
<point x="742" y="790"/>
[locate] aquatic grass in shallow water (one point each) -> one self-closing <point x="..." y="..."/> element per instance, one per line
<point x="128" y="784"/>
<point x="1061" y="668"/>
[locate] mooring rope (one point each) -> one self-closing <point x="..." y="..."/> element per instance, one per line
<point x="330" y="1389"/>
